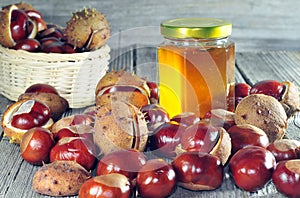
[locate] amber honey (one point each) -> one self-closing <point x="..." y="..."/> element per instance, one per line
<point x="195" y="75"/>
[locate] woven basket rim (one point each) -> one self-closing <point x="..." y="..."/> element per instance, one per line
<point x="20" y="54"/>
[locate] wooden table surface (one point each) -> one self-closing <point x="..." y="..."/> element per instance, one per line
<point x="16" y="174"/>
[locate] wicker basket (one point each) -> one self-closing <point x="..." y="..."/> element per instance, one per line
<point x="75" y="76"/>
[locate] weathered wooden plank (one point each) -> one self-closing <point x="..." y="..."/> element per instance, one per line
<point x="279" y="66"/>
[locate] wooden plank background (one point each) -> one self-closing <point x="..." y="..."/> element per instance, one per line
<point x="257" y="24"/>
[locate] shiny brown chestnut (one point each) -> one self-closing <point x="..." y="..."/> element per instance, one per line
<point x="19" y="25"/>
<point x="155" y="115"/>
<point x="245" y="135"/>
<point x="85" y="131"/>
<point x="165" y="139"/>
<point x="111" y="185"/>
<point x="36" y="145"/>
<point x="126" y="162"/>
<point x="30" y="114"/>
<point x="73" y="120"/>
<point x="41" y="88"/>
<point x="269" y="87"/>
<point x="198" y="171"/>
<point x="286" y="177"/>
<point x="200" y="137"/>
<point x="48" y="95"/>
<point x="220" y="118"/>
<point x="154" y="92"/>
<point x="186" y="118"/>
<point x="30" y="45"/>
<point x="284" y="149"/>
<point x="252" y="167"/>
<point x="37" y="17"/>
<point x="156" y="179"/>
<point x="76" y="149"/>
<point x="241" y="90"/>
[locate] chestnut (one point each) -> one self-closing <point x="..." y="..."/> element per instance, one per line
<point x="76" y="149"/>
<point x="23" y="115"/>
<point x="220" y="118"/>
<point x="154" y="95"/>
<point x="200" y="137"/>
<point x="203" y="137"/>
<point x="165" y="138"/>
<point x="36" y="145"/>
<point x="155" y="115"/>
<point x="37" y="17"/>
<point x="186" y="118"/>
<point x="156" y="179"/>
<point x="41" y="88"/>
<point x="269" y="87"/>
<point x="30" y="45"/>
<point x="198" y="171"/>
<point x="245" y="135"/>
<point x="284" y="149"/>
<point x="48" y="95"/>
<point x="52" y="31"/>
<point x="126" y="162"/>
<point x="111" y="185"/>
<point x="252" y="167"/>
<point x="286" y="177"/>
<point x="241" y="90"/>
<point x="73" y="120"/>
<point x="85" y="131"/>
<point x="19" y="25"/>
<point x="30" y="114"/>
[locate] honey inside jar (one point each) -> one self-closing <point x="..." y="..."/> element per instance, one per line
<point x="195" y="75"/>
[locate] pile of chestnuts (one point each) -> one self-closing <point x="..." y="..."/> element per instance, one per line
<point x="183" y="150"/>
<point x="23" y="27"/>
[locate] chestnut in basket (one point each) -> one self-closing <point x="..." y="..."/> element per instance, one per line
<point x="36" y="145"/>
<point x="156" y="178"/>
<point x="37" y="18"/>
<point x="30" y="45"/>
<point x="111" y="185"/>
<point x="17" y="26"/>
<point x="286" y="177"/>
<point x="198" y="171"/>
<point x="48" y="95"/>
<point x="23" y="115"/>
<point x="88" y="29"/>
<point x="76" y="149"/>
<point x="251" y="167"/>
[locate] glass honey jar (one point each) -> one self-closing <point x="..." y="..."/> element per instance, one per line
<point x="196" y="64"/>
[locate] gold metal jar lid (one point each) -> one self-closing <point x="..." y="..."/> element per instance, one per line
<point x="196" y="28"/>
